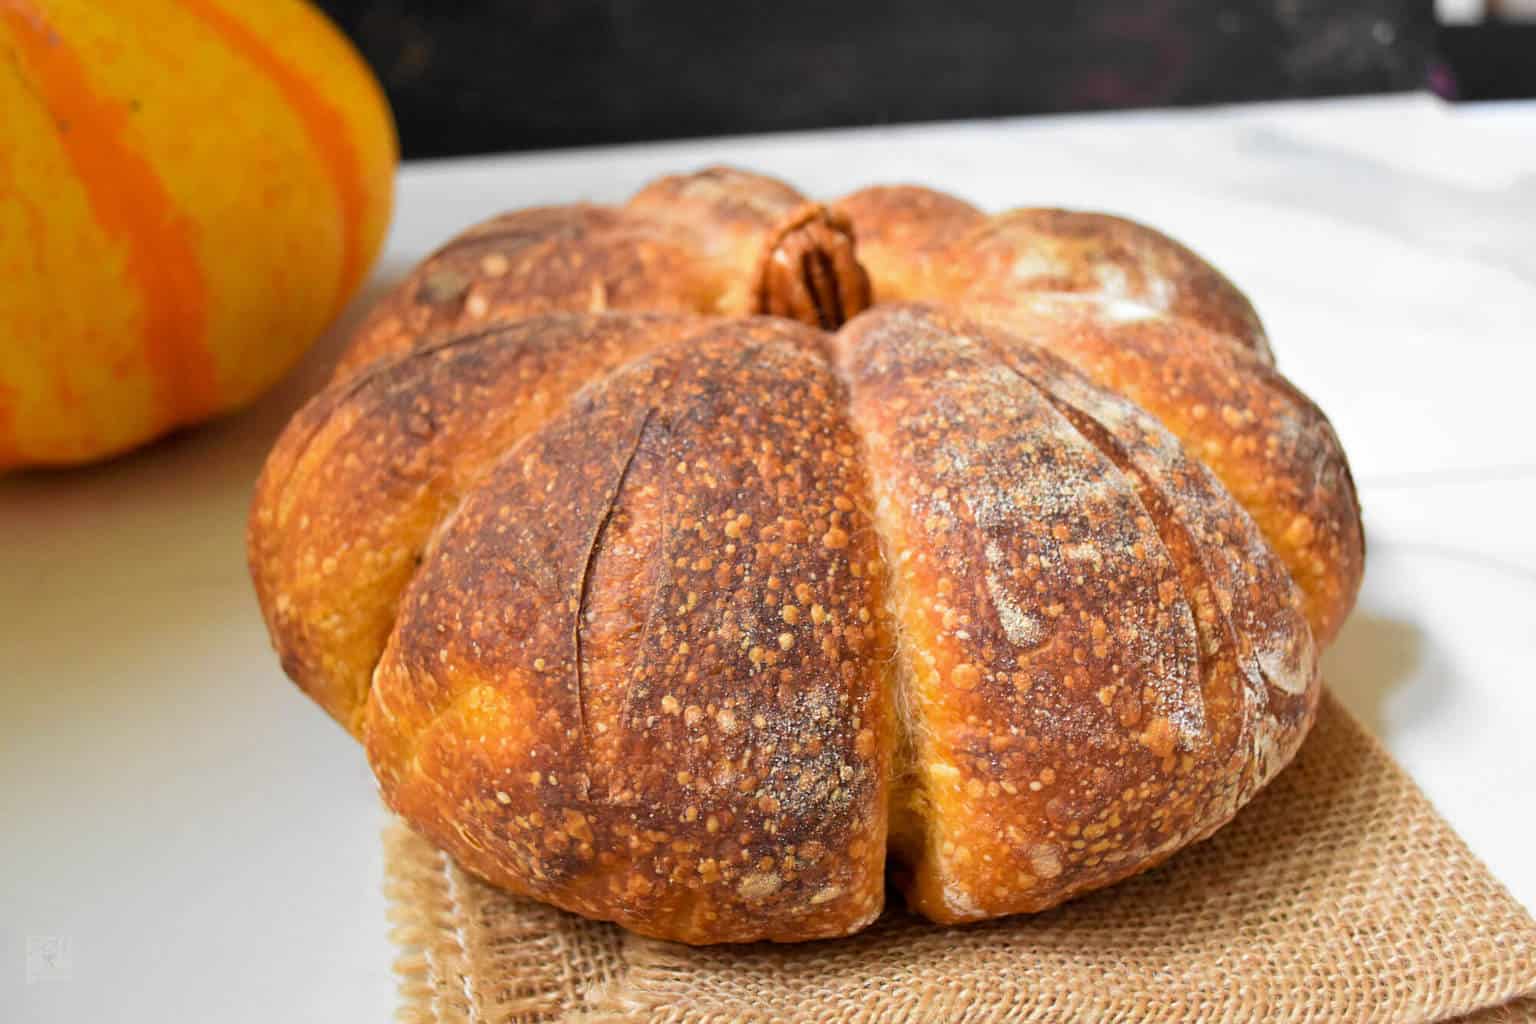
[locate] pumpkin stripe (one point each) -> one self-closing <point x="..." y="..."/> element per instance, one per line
<point x="132" y="206"/>
<point x="9" y="453"/>
<point x="327" y="128"/>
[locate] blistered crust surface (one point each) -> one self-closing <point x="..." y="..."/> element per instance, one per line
<point x="691" y="243"/>
<point x="639" y="678"/>
<point x="1144" y="317"/>
<point x="1268" y="444"/>
<point x="1083" y="615"/>
<point x="690" y="621"/>
<point x="364" y="473"/>
<point x="568" y="259"/>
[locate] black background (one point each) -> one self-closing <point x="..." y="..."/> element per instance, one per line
<point x="493" y="75"/>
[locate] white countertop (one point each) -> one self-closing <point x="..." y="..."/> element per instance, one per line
<point x="205" y="840"/>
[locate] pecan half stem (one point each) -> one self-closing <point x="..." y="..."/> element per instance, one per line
<point x="809" y="270"/>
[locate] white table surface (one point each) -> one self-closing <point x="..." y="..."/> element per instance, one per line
<point x="207" y="842"/>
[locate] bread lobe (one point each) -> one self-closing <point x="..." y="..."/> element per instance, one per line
<point x="1145" y="317"/>
<point x="1054" y="551"/>
<point x="364" y="473"/>
<point x="1270" y="446"/>
<point x="703" y="243"/>
<point x="1071" y="251"/>
<point x="716" y="770"/>
<point x="991" y="507"/>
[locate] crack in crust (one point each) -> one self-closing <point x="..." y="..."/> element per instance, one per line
<point x="933" y="581"/>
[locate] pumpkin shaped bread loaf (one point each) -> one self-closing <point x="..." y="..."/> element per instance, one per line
<point x="690" y="563"/>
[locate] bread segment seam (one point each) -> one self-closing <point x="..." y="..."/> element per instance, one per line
<point x="905" y="784"/>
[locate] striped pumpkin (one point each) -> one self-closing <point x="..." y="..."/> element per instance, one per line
<point x="190" y="190"/>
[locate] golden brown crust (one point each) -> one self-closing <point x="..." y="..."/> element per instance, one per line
<point x="365" y="471"/>
<point x="901" y="229"/>
<point x="1103" y="660"/>
<point x="728" y="211"/>
<point x="1114" y="258"/>
<point x="942" y="249"/>
<point x="681" y="621"/>
<point x="561" y="259"/>
<point x="1145" y="317"/>
<point x="711" y="768"/>
<point x="717" y="241"/>
<point x="1270" y="446"/>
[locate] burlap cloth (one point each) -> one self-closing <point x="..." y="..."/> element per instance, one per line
<point x="1338" y="894"/>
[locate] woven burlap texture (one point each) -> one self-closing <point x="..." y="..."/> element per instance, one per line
<point x="1337" y="895"/>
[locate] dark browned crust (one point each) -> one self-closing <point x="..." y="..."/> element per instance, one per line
<point x="685" y="244"/>
<point x="715" y="771"/>
<point x="365" y="472"/>
<point x="680" y="621"/>
<point x="565" y="259"/>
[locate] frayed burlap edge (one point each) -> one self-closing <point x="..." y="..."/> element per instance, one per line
<point x="1338" y="894"/>
<point x="463" y="960"/>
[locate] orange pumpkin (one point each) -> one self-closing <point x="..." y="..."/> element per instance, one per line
<point x="189" y="191"/>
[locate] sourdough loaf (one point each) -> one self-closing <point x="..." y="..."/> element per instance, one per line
<point x="702" y="562"/>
